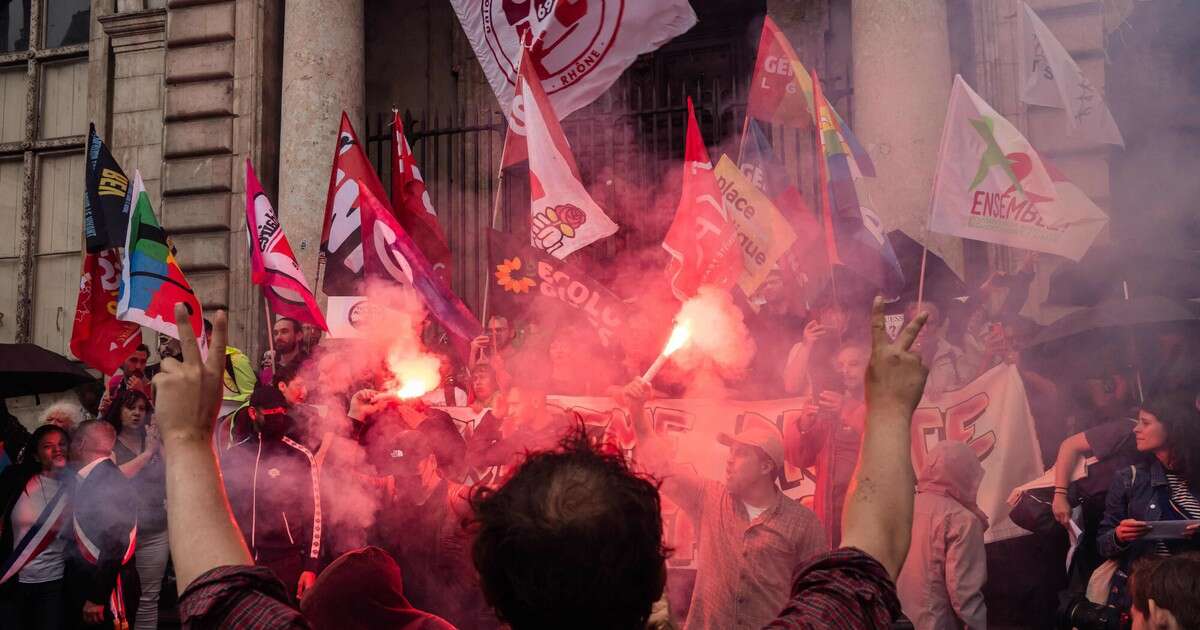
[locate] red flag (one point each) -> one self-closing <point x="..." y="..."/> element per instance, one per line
<point x="412" y="206"/>
<point x="273" y="266"/>
<point x="780" y="90"/>
<point x="391" y="254"/>
<point x="98" y="338"/>
<point x="341" y="243"/>
<point x="702" y="241"/>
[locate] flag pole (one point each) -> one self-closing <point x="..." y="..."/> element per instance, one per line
<point x="921" y="280"/>
<point x="822" y="183"/>
<point x="1137" y="365"/>
<point x="270" y="326"/>
<point x="487" y="287"/>
<point x="320" y="267"/>
<point x="742" y="142"/>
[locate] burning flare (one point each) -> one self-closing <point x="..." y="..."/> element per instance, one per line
<point x="414" y="376"/>
<point x="679" y="337"/>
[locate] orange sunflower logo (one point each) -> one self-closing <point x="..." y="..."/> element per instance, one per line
<point x="508" y="276"/>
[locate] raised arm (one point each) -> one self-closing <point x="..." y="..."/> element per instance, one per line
<point x="200" y="528"/>
<point x="1069" y="453"/>
<point x="879" y="510"/>
<point x="795" y="371"/>
<point x="683" y="487"/>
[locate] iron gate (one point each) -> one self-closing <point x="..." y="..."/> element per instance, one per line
<point x="629" y="148"/>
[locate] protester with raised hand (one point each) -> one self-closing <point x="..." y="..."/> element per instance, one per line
<point x="852" y="587"/>
<point x="751" y="535"/>
<point x="218" y="584"/>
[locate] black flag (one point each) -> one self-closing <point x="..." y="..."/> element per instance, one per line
<point x="523" y="278"/>
<point x="105" y="197"/>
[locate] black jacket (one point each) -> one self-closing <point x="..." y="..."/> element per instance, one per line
<point x="275" y="496"/>
<point x="105" y="512"/>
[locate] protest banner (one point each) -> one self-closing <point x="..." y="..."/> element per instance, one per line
<point x="991" y="415"/>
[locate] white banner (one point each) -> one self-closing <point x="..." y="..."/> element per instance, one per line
<point x="991" y="415"/>
<point x="579" y="47"/>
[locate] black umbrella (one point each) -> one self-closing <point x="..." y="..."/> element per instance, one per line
<point x="1150" y="309"/>
<point x="27" y="369"/>
<point x="1099" y="275"/>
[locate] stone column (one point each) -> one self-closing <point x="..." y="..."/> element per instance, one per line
<point x="902" y="80"/>
<point x="322" y="76"/>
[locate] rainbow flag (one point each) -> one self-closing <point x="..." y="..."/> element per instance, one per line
<point x="151" y="281"/>
<point x="854" y="235"/>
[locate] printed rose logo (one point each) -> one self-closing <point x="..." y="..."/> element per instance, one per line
<point x="571" y="215"/>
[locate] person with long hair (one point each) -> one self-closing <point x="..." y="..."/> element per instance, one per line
<point x="34" y="495"/>
<point x="137" y="455"/>
<point x="1164" y="487"/>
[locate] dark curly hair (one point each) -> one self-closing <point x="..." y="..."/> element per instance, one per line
<point x="1176" y="410"/>
<point x="124" y="400"/>
<point x="573" y="538"/>
<point x="29" y="455"/>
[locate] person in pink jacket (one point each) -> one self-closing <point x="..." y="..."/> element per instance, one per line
<point x="941" y="584"/>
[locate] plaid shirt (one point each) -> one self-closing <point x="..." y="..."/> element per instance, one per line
<point x="843" y="590"/>
<point x="239" y="596"/>
<point x="745" y="567"/>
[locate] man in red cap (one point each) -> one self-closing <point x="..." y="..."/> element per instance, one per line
<point x="751" y="536"/>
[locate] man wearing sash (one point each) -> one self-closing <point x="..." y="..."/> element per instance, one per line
<point x="105" y="529"/>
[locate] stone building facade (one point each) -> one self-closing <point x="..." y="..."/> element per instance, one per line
<point x="187" y="90"/>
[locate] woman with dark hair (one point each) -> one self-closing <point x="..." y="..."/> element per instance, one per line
<point x="137" y="455"/>
<point x="1164" y="487"/>
<point x="35" y="495"/>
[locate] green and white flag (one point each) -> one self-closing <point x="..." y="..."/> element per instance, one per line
<point x="992" y="185"/>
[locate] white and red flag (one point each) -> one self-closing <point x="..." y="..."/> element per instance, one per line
<point x="412" y="206"/>
<point x="578" y="47"/>
<point x="992" y="185"/>
<point x="341" y="238"/>
<point x="702" y="241"/>
<point x="564" y="218"/>
<point x="341" y="244"/>
<point x="273" y="266"/>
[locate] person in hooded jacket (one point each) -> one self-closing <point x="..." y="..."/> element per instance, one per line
<point x="274" y="491"/>
<point x="941" y="584"/>
<point x="379" y="602"/>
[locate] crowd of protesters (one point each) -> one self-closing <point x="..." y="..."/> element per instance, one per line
<point x="525" y="519"/>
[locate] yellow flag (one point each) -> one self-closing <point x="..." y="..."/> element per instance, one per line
<point x="763" y="232"/>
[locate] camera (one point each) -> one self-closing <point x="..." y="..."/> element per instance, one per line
<point x="1075" y="611"/>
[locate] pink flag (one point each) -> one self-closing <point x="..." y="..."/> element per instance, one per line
<point x="273" y="266"/>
